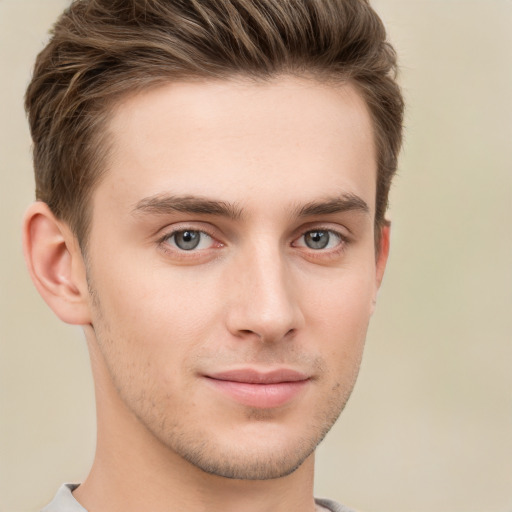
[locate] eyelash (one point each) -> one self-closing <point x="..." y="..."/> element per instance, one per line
<point x="325" y="255"/>
<point x="163" y="242"/>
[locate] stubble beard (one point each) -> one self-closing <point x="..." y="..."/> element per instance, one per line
<point x="238" y="462"/>
<point x="242" y="461"/>
<point x="195" y="445"/>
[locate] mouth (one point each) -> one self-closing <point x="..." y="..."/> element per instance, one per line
<point x="260" y="389"/>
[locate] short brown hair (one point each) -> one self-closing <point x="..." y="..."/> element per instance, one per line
<point x="103" y="49"/>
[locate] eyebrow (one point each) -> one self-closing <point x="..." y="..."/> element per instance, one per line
<point x="345" y="203"/>
<point x="165" y="204"/>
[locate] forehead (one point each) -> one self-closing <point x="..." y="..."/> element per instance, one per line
<point x="284" y="140"/>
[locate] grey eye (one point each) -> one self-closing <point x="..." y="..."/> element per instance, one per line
<point x="187" y="240"/>
<point x="317" y="239"/>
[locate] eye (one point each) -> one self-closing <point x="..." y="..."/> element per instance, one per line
<point x="319" y="239"/>
<point x="189" y="239"/>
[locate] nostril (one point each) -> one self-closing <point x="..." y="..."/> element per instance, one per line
<point x="266" y="337"/>
<point x="290" y="333"/>
<point x="248" y="332"/>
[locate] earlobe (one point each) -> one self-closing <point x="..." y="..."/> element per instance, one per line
<point x="55" y="264"/>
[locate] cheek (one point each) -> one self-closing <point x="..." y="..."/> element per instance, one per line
<point x="339" y="315"/>
<point x="168" y="310"/>
<point x="343" y="304"/>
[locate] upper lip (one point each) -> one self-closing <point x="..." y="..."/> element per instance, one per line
<point x="254" y="376"/>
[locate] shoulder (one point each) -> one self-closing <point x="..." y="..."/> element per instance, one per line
<point x="332" y="506"/>
<point x="64" y="501"/>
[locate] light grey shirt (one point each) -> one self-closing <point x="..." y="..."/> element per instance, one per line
<point x="64" y="501"/>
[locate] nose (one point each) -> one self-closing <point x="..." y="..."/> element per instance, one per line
<point x="265" y="302"/>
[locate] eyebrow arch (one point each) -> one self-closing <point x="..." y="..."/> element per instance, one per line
<point x="347" y="202"/>
<point x="166" y="204"/>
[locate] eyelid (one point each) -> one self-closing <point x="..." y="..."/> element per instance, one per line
<point x="204" y="238"/>
<point x="330" y="231"/>
<point x="217" y="241"/>
<point x="326" y="255"/>
<point x="177" y="227"/>
<point x="200" y="227"/>
<point x="343" y="232"/>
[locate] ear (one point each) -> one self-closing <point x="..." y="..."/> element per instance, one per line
<point x="56" y="265"/>
<point x="383" y="251"/>
<point x="382" y="254"/>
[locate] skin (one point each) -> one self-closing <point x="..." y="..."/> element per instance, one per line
<point x="259" y="172"/>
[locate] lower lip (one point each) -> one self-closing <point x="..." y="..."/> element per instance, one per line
<point x="262" y="396"/>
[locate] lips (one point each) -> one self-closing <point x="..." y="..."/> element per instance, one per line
<point x="260" y="389"/>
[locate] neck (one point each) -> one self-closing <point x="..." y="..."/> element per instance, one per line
<point x="134" y="471"/>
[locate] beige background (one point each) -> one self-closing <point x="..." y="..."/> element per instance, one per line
<point x="430" y="424"/>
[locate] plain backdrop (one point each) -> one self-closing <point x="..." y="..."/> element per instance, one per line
<point x="429" y="426"/>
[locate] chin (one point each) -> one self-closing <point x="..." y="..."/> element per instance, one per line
<point x="262" y="451"/>
<point x="266" y="464"/>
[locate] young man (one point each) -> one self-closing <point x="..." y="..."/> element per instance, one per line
<point x="212" y="178"/>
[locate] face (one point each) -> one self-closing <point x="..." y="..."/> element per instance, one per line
<point x="232" y="269"/>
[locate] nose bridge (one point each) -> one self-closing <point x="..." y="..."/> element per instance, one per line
<point x="265" y="304"/>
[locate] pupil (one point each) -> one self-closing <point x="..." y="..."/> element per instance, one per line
<point x="317" y="239"/>
<point x="187" y="240"/>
